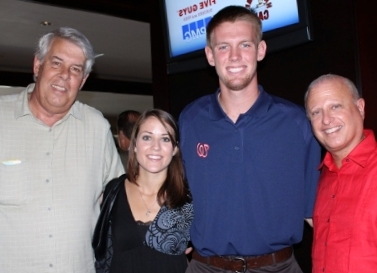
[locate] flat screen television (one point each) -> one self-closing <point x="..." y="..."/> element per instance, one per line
<point x="285" y="23"/>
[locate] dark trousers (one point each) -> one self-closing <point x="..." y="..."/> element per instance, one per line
<point x="288" y="266"/>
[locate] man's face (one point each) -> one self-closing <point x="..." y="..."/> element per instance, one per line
<point x="337" y="120"/>
<point x="59" y="77"/>
<point x="234" y="52"/>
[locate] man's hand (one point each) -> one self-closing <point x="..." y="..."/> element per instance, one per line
<point x="309" y="221"/>
<point x="188" y="250"/>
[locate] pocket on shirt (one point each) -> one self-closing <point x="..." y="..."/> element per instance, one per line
<point x="14" y="184"/>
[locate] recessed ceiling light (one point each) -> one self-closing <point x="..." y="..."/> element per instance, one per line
<point x="46" y="23"/>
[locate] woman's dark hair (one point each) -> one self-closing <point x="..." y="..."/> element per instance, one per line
<point x="174" y="190"/>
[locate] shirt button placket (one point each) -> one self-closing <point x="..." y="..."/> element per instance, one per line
<point x="49" y="206"/>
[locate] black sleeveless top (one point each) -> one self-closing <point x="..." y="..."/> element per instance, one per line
<point x="132" y="254"/>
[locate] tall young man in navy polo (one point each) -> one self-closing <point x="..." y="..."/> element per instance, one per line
<point x="251" y="159"/>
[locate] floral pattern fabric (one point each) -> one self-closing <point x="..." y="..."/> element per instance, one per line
<point x="170" y="231"/>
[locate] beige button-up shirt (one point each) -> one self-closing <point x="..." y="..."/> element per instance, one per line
<point x="51" y="179"/>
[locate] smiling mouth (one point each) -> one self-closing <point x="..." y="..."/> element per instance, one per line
<point x="332" y="130"/>
<point x="154" y="157"/>
<point x="59" y="88"/>
<point x="235" y="69"/>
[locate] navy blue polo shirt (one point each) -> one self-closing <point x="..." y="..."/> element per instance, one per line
<point x="254" y="181"/>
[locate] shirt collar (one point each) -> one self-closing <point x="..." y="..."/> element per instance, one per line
<point x="359" y="154"/>
<point x="258" y="109"/>
<point x="22" y="105"/>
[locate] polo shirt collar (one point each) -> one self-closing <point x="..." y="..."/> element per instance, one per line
<point x="258" y="109"/>
<point x="22" y="106"/>
<point x="359" y="154"/>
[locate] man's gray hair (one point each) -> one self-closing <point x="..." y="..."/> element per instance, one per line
<point x="72" y="35"/>
<point x="329" y="77"/>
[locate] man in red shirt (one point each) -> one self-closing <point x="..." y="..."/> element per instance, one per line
<point x="345" y="213"/>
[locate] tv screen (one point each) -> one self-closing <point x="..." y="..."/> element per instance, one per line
<point x="285" y="23"/>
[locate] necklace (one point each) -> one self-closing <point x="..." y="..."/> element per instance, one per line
<point x="148" y="212"/>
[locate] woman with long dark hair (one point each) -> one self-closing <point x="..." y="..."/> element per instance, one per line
<point x="147" y="213"/>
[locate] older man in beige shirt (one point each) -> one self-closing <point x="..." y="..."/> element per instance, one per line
<point x="56" y="155"/>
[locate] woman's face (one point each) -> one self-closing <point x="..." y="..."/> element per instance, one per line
<point x="154" y="148"/>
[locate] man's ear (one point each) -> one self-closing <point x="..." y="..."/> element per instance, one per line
<point x="120" y="138"/>
<point x="361" y="106"/>
<point x="209" y="55"/>
<point x="83" y="81"/>
<point x="262" y="48"/>
<point x="36" y="66"/>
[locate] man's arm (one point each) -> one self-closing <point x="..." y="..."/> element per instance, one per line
<point x="113" y="164"/>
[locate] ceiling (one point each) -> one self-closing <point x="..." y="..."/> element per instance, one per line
<point x="125" y="43"/>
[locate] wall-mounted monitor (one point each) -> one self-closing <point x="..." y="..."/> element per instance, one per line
<point x="285" y="23"/>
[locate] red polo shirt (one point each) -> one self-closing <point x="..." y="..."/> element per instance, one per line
<point x="345" y="213"/>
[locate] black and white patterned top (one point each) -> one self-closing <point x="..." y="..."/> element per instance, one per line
<point x="170" y="230"/>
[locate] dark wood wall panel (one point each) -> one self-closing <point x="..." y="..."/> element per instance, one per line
<point x="366" y="24"/>
<point x="160" y="79"/>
